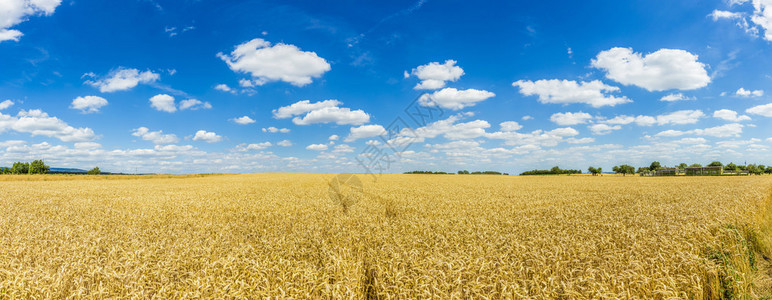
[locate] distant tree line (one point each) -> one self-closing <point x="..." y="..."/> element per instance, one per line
<point x="35" y="167"/>
<point x="459" y="172"/>
<point x="731" y="167"/>
<point x="482" y="173"/>
<point x="554" y="171"/>
<point x="427" y="172"/>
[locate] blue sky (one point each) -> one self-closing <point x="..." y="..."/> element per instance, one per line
<point x="317" y="86"/>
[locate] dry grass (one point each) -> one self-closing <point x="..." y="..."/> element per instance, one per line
<point x="411" y="236"/>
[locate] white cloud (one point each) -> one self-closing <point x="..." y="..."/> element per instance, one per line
<point x="36" y="122"/>
<point x="454" y="99"/>
<point x="243" y="120"/>
<point x="194" y="104"/>
<point x="224" y="88"/>
<point x="122" y="79"/>
<point x="730" y="115"/>
<point x="762" y="16"/>
<point x="364" y="131"/>
<point x="664" y="69"/>
<point x="722" y="14"/>
<point x="205" y="136"/>
<point x="728" y="130"/>
<point x="569" y="91"/>
<point x="6" y="104"/>
<point x="567" y="119"/>
<point x="343" y="149"/>
<point x="157" y="137"/>
<point x="284" y="143"/>
<point x="317" y="147"/>
<point x="321" y="112"/>
<point x="87" y="145"/>
<point x="624" y="120"/>
<point x="526" y="118"/>
<point x="676" y="97"/>
<point x="680" y="117"/>
<point x="275" y="130"/>
<point x="13" y="12"/>
<point x="746" y="93"/>
<point x="603" y="129"/>
<point x="281" y="62"/>
<point x="580" y="141"/>
<point x="88" y="104"/>
<point x="302" y="107"/>
<point x="253" y="147"/>
<point x="448" y="128"/>
<point x="434" y="75"/>
<point x="761" y="110"/>
<point x="163" y="102"/>
<point x="510" y="126"/>
<point x="334" y="137"/>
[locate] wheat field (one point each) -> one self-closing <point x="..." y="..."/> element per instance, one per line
<point x="403" y="236"/>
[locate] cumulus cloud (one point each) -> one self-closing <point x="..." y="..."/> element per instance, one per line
<point x="6" y="104"/>
<point x="639" y="120"/>
<point x="122" y="79"/>
<point x="746" y="93"/>
<point x="454" y="99"/>
<point x="728" y="130"/>
<point x="275" y="130"/>
<point x="603" y="129"/>
<point x="38" y="123"/>
<point x="253" y="147"/>
<point x="568" y="92"/>
<point x="510" y="126"/>
<point x="243" y="120"/>
<point x="333" y="137"/>
<point x="317" y="147"/>
<point x="327" y="111"/>
<point x="163" y="102"/>
<point x="284" y="143"/>
<point x="205" y="136"/>
<point x="224" y="88"/>
<point x="364" y="131"/>
<point x="157" y="137"/>
<point x="88" y="104"/>
<point x="730" y="115"/>
<point x="680" y="117"/>
<point x="13" y="12"/>
<point x="194" y="104"/>
<point x="280" y="62"/>
<point x="761" y="110"/>
<point x="567" y="119"/>
<point x="676" y="97"/>
<point x="434" y="75"/>
<point x="665" y="69"/>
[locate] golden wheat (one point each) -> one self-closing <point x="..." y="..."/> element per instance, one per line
<point x="405" y="236"/>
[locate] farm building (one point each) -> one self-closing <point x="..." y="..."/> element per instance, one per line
<point x="705" y="171"/>
<point x="666" y="172"/>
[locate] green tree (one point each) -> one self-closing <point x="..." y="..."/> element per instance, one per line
<point x="594" y="171"/>
<point x="683" y="166"/>
<point x="696" y="166"/>
<point x="643" y="169"/>
<point x="655" y="166"/>
<point x="38" y="167"/>
<point x="716" y="164"/>
<point x="20" y="168"/>
<point x="731" y="167"/>
<point x="624" y="169"/>
<point x="768" y="170"/>
<point x="96" y="171"/>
